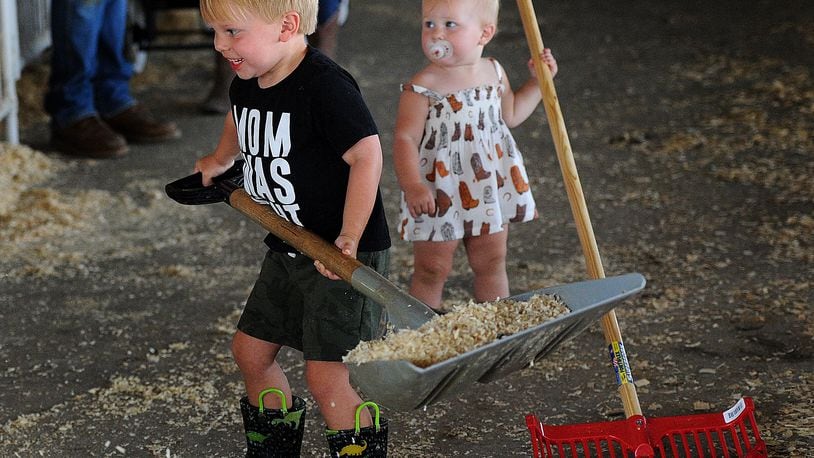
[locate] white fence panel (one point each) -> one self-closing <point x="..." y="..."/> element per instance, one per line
<point x="9" y="69"/>
<point x="25" y="32"/>
<point x="34" y="24"/>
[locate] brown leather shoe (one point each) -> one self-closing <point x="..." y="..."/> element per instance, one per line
<point x="89" y="137"/>
<point x="137" y="124"/>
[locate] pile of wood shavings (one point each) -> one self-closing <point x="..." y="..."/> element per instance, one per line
<point x="44" y="213"/>
<point x="467" y="327"/>
<point x="23" y="167"/>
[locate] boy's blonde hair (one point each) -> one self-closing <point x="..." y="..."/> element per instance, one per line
<point x="268" y="10"/>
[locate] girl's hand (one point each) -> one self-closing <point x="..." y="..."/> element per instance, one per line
<point x="347" y="245"/>
<point x="420" y="200"/>
<point x="548" y="58"/>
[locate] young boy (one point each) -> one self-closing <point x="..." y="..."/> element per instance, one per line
<point x="312" y="153"/>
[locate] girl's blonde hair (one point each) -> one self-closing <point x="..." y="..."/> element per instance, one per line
<point x="489" y="8"/>
<point x="268" y="10"/>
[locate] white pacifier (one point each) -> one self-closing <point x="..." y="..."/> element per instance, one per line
<point x="440" y="49"/>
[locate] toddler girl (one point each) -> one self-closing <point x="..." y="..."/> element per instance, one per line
<point x="459" y="169"/>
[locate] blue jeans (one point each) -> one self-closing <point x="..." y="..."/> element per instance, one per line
<point x="327" y="8"/>
<point x="89" y="72"/>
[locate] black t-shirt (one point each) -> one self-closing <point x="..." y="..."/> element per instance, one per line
<point x="293" y="135"/>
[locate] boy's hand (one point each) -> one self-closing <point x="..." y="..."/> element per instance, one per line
<point x="548" y="58"/>
<point x="210" y="168"/>
<point x="419" y="200"/>
<point x="347" y="245"/>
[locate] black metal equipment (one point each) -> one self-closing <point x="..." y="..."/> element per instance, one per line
<point x="145" y="34"/>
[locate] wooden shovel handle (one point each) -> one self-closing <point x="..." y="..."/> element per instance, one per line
<point x="404" y="310"/>
<point x="610" y="326"/>
<point x="298" y="237"/>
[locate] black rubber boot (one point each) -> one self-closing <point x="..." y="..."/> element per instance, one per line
<point x="273" y="433"/>
<point x="370" y="442"/>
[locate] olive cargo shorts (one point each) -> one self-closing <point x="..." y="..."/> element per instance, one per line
<point x="292" y="304"/>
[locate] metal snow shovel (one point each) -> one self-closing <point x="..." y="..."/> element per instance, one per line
<point x="694" y="435"/>
<point x="400" y="384"/>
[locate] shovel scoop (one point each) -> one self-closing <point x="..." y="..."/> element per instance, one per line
<point x="400" y="384"/>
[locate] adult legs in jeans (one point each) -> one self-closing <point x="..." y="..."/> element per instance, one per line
<point x="88" y="97"/>
<point x="89" y="74"/>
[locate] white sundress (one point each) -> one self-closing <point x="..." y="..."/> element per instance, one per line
<point x="469" y="157"/>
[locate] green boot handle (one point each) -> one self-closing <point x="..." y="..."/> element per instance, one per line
<point x="279" y="393"/>
<point x="375" y="418"/>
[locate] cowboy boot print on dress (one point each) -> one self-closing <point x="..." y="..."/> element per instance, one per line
<point x="507" y="145"/>
<point x="447" y="232"/>
<point x="468" y="97"/>
<point x="457" y="167"/>
<point x="468" y="228"/>
<point x="468" y="135"/>
<point x="520" y="184"/>
<point x="444" y="137"/>
<point x="493" y="122"/>
<point x="456" y="134"/>
<point x="500" y="180"/>
<point x="442" y="203"/>
<point x="520" y="216"/>
<point x="441" y="167"/>
<point x="488" y="195"/>
<point x="454" y="103"/>
<point x="467" y="202"/>
<point x="431" y="141"/>
<point x="477" y="167"/>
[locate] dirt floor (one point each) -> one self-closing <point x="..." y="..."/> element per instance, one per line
<point x="691" y="123"/>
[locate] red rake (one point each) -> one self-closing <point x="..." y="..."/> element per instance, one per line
<point x="732" y="433"/>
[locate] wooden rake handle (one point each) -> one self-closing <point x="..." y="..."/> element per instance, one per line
<point x="610" y="326"/>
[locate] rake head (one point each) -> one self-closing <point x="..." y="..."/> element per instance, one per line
<point x="732" y="433"/>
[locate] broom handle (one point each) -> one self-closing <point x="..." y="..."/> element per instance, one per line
<point x="610" y="326"/>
